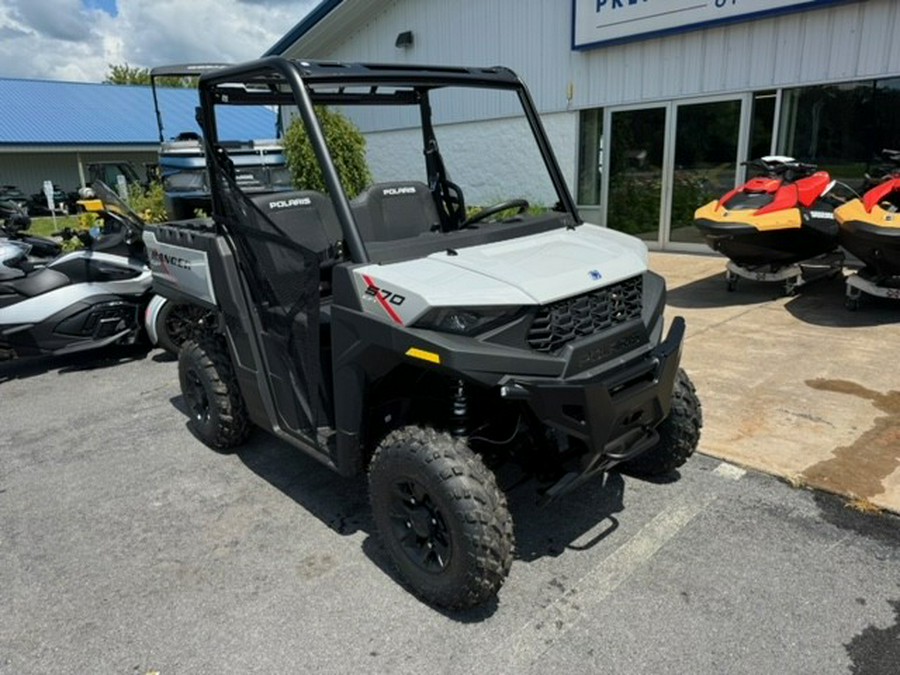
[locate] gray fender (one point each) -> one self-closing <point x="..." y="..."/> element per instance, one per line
<point x="151" y="315"/>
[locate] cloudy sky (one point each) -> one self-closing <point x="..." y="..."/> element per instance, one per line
<point x="76" y="40"/>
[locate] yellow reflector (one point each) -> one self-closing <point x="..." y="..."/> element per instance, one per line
<point x="416" y="353"/>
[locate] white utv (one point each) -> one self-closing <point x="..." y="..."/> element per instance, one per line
<point x="425" y="331"/>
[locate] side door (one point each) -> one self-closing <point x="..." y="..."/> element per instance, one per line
<point x="280" y="251"/>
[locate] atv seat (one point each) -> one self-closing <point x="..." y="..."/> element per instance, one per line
<point x="305" y="216"/>
<point x="398" y="210"/>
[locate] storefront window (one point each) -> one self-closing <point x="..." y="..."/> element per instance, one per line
<point x="590" y="156"/>
<point x="841" y="127"/>
<point x="762" y="122"/>
<point x="706" y="142"/>
<point x="636" y="171"/>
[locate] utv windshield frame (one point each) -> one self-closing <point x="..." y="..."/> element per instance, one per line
<point x="304" y="84"/>
<point x="193" y="70"/>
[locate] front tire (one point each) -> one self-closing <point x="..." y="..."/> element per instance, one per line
<point x="218" y="416"/>
<point x="441" y="517"/>
<point x="679" y="433"/>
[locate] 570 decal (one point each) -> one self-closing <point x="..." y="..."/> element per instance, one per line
<point x="382" y="293"/>
<point x="387" y="299"/>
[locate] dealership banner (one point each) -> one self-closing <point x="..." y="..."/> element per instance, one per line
<point x="598" y="22"/>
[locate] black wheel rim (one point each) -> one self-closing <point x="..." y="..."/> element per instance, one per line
<point x="177" y="329"/>
<point x="184" y="323"/>
<point x="195" y="395"/>
<point x="419" y="527"/>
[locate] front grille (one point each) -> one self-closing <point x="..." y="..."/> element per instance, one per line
<point x="561" y="322"/>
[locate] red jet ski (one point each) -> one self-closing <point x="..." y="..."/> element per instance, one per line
<point x="869" y="229"/>
<point x="775" y="224"/>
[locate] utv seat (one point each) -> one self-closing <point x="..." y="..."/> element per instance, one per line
<point x="307" y="218"/>
<point x="397" y="210"/>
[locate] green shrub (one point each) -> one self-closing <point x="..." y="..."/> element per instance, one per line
<point x="348" y="151"/>
<point x="85" y="221"/>
<point x="148" y="202"/>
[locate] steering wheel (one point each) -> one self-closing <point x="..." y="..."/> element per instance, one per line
<point x="520" y="204"/>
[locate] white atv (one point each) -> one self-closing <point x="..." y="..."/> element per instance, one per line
<point x="403" y="334"/>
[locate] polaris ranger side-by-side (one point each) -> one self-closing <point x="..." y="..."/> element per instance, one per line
<point x="454" y="316"/>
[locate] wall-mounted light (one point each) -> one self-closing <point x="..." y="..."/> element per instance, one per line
<point x="404" y="40"/>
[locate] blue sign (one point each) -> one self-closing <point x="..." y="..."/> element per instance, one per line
<point x="601" y="22"/>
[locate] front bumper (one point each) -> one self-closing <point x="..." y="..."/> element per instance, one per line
<point x="614" y="414"/>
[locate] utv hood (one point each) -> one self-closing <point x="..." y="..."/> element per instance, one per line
<point x="532" y="270"/>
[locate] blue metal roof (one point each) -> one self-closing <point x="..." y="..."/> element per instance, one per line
<point x="41" y="112"/>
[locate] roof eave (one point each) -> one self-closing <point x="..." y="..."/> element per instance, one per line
<point x="142" y="146"/>
<point x="308" y="23"/>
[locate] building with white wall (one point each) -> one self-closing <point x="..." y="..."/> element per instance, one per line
<point x="652" y="105"/>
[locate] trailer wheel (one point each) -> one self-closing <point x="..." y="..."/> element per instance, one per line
<point x="441" y="517"/>
<point x="790" y="287"/>
<point x="679" y="433"/>
<point x="218" y="416"/>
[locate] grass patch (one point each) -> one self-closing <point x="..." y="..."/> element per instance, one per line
<point x="795" y="480"/>
<point x="44" y="226"/>
<point x="862" y="505"/>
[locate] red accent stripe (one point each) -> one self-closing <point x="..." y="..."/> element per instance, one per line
<point x="381" y="301"/>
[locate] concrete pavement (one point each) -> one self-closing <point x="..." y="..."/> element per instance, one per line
<point x="798" y="387"/>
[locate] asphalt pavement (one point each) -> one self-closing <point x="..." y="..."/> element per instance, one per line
<point x="126" y="546"/>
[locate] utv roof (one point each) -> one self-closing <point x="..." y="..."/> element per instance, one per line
<point x="275" y="80"/>
<point x="186" y="69"/>
<point x="267" y="69"/>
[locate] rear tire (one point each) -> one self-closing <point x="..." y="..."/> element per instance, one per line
<point x="441" y="517"/>
<point x="679" y="433"/>
<point x="210" y="389"/>
<point x="177" y="323"/>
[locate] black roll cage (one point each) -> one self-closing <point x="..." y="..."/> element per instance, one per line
<point x="278" y="81"/>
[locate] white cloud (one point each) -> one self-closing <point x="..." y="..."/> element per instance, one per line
<point x="61" y="40"/>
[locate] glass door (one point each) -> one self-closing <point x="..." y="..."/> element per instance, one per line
<point x="707" y="138"/>
<point x="635" y="179"/>
<point x="667" y="160"/>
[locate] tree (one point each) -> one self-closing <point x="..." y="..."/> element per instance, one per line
<point x="346" y="144"/>
<point x="132" y="75"/>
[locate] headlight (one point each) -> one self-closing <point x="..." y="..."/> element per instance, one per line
<point x="466" y="320"/>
